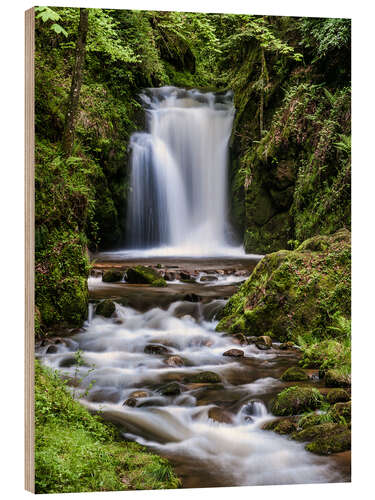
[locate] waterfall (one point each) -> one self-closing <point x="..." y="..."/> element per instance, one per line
<point x="178" y="198"/>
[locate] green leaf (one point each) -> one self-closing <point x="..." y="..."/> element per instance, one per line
<point x="59" y="29"/>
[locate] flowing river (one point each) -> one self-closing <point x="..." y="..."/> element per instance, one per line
<point x="138" y="369"/>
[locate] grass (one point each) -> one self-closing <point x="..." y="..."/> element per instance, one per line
<point x="77" y="452"/>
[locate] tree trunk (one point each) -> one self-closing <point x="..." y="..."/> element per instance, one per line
<point x="75" y="89"/>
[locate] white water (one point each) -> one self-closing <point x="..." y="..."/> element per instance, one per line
<point x="240" y="453"/>
<point x="178" y="196"/>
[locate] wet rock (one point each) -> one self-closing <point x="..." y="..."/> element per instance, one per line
<point x="130" y="402"/>
<point x="138" y="394"/>
<point x="235" y="353"/>
<point x="105" y="394"/>
<point x="264" y="342"/>
<point x="169" y="276"/>
<point x="338" y="396"/>
<point x="341" y="412"/>
<point x="309" y="420"/>
<point x="156" y="349"/>
<point x="205" y="377"/>
<point x="192" y="297"/>
<point x="152" y="402"/>
<point x="142" y="275"/>
<point x="252" y="339"/>
<point x="105" y="308"/>
<point x="51" y="349"/>
<point x="286" y="345"/>
<point x="281" y="425"/>
<point x="67" y="362"/>
<point x="112" y="276"/>
<point x="296" y="400"/>
<point x="334" y="378"/>
<point x="209" y="278"/>
<point x="184" y="275"/>
<point x="317" y="431"/>
<point x="172" y="389"/>
<point x="174" y="361"/>
<point x="220" y="415"/>
<point x="294" y="374"/>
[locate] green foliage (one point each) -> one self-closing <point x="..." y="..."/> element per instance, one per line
<point x="47" y="14"/>
<point x="76" y="451"/>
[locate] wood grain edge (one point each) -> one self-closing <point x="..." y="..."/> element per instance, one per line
<point x="29" y="248"/>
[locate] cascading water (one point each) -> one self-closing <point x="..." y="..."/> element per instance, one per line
<point x="178" y="195"/>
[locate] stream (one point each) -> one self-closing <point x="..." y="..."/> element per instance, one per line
<point x="139" y="369"/>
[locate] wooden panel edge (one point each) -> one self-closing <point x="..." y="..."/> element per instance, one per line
<point x="29" y="248"/>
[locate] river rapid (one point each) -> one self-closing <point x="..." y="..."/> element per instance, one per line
<point x="139" y="369"/>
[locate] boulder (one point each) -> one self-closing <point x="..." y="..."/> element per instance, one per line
<point x="334" y="378"/>
<point x="174" y="361"/>
<point x="51" y="349"/>
<point x="281" y="425"/>
<point x="156" y="349"/>
<point x="208" y="278"/>
<point x="138" y="394"/>
<point x="341" y="412"/>
<point x="334" y="443"/>
<point x="112" y="276"/>
<point x="316" y="431"/>
<point x="338" y="396"/>
<point x="264" y="342"/>
<point x="234" y="353"/>
<point x="192" y="297"/>
<point x="286" y="345"/>
<point x="296" y="400"/>
<point x="294" y="374"/>
<point x="220" y="415"/>
<point x="105" y="308"/>
<point x="130" y="402"/>
<point x="142" y="275"/>
<point x="184" y="275"/>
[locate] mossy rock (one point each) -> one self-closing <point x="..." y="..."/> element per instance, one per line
<point x="205" y="377"/>
<point x="294" y="374"/>
<point x="281" y="425"/>
<point x="310" y="420"/>
<point x="341" y="412"/>
<point x="296" y="400"/>
<point x="338" y="396"/>
<point x="112" y="276"/>
<point x="172" y="389"/>
<point x="334" y="443"/>
<point x="105" y="308"/>
<point x="142" y="275"/>
<point x="335" y="378"/>
<point x="317" y="431"/>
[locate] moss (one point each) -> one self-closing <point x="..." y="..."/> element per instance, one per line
<point x="335" y="378"/>
<point x="112" y="276"/>
<point x="335" y="443"/>
<point x="309" y="420"/>
<point x="294" y="374"/>
<point x="338" y="396"/>
<point x="77" y="452"/>
<point x="105" y="308"/>
<point x="281" y="426"/>
<point x="341" y="412"/>
<point x="296" y="400"/>
<point x="322" y="430"/>
<point x="144" y="275"/>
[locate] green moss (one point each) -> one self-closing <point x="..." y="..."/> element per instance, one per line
<point x="144" y="275"/>
<point x="76" y="451"/>
<point x="205" y="377"/>
<point x="313" y="432"/>
<point x="105" y="308"/>
<point x="338" y="396"/>
<point x="296" y="400"/>
<point x="335" y="443"/>
<point x="281" y="426"/>
<point x="336" y="378"/>
<point x="341" y="412"/>
<point x="112" y="276"/>
<point x="294" y="374"/>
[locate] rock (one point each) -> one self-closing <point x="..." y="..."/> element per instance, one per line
<point x="220" y="415"/>
<point x="209" y="278"/>
<point x="334" y="378"/>
<point x="264" y="342"/>
<point x="156" y="349"/>
<point x="51" y="349"/>
<point x="138" y="394"/>
<point x="341" y="412"/>
<point x="105" y="308"/>
<point x="205" y="377"/>
<point x="309" y="420"/>
<point x="335" y="443"/>
<point x="235" y="353"/>
<point x="316" y="431"/>
<point x="130" y="402"/>
<point x="294" y="374"/>
<point x="192" y="297"/>
<point x="338" y="396"/>
<point x="184" y="275"/>
<point x="286" y="345"/>
<point x="174" y="361"/>
<point x="172" y="389"/>
<point x="242" y="272"/>
<point x="169" y="276"/>
<point x="281" y="425"/>
<point x="144" y="276"/>
<point x="252" y="339"/>
<point x="112" y="276"/>
<point x="296" y="400"/>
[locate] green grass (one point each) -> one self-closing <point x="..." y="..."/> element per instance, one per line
<point x="77" y="452"/>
